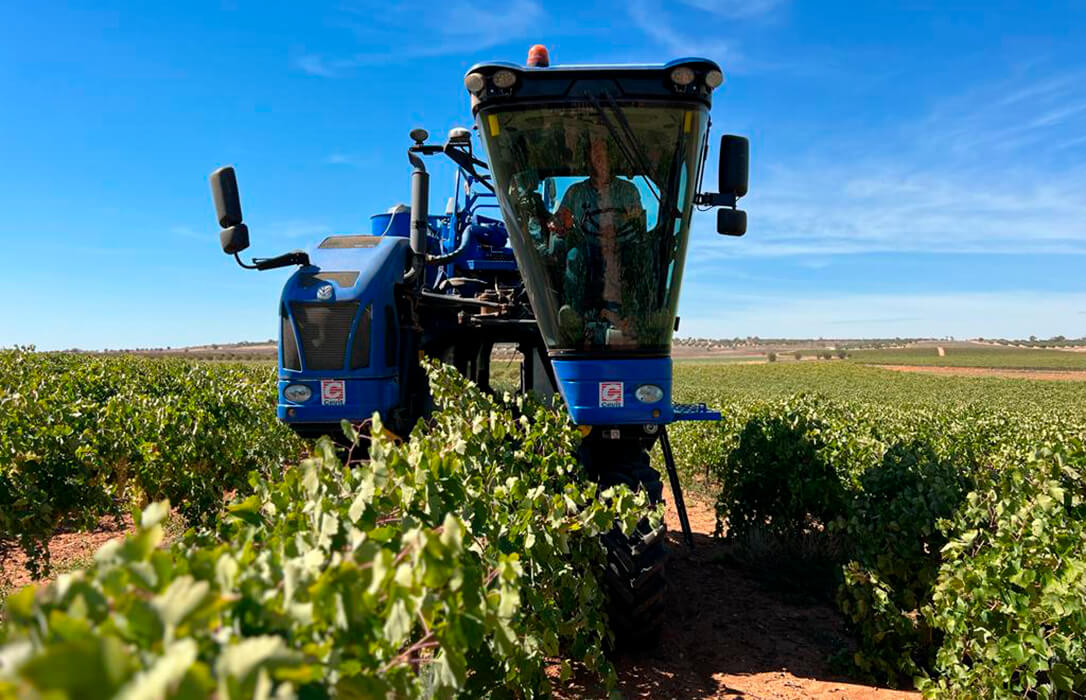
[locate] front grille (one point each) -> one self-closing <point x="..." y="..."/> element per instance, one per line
<point x="286" y="339"/>
<point x="323" y="330"/>
<point x="391" y="336"/>
<point x="360" y="352"/>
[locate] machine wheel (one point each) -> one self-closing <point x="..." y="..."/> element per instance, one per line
<point x="636" y="576"/>
<point x="637" y="584"/>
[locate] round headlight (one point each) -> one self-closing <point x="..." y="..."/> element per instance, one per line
<point x="504" y="79"/>
<point x="649" y="393"/>
<point x="714" y="79"/>
<point x="683" y="76"/>
<point x="474" y="82"/>
<point x="298" y="393"/>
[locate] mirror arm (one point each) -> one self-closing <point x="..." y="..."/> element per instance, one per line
<point x="716" y="199"/>
<point x="296" y="257"/>
<point x="468" y="164"/>
<point x="463" y="156"/>
<point x="247" y="267"/>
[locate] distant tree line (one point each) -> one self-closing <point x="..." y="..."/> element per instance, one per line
<point x="1056" y="341"/>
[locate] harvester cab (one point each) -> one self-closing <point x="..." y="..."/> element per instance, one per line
<point x="596" y="169"/>
<point x="566" y="244"/>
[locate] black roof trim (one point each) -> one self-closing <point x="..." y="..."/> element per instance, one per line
<point x="569" y="83"/>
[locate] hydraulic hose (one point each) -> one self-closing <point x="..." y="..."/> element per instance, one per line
<point x="461" y="246"/>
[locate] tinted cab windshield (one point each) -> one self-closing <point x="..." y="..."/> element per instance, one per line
<point x="597" y="200"/>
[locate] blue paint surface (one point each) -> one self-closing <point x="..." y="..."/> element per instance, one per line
<point x="583" y="382"/>
<point x="361" y="398"/>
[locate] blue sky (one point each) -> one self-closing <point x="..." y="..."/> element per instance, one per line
<point x="915" y="171"/>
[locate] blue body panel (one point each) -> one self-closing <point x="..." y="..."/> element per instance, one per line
<point x="588" y="386"/>
<point x="362" y="398"/>
<point x="367" y="389"/>
<point x="374" y="266"/>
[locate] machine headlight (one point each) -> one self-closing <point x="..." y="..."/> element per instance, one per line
<point x="649" y="393"/>
<point x="714" y="79"/>
<point x="683" y="76"/>
<point x="474" y="82"/>
<point x="298" y="393"/>
<point x="504" y="79"/>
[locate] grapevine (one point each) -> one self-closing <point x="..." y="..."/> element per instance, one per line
<point x="458" y="563"/>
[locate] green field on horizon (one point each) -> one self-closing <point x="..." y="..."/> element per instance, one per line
<point x="714" y="382"/>
<point x="975" y="356"/>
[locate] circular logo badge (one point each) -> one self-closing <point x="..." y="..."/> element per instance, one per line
<point x="324" y="292"/>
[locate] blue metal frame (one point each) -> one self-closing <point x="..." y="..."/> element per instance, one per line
<point x="485" y="246"/>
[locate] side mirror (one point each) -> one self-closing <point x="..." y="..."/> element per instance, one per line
<point x="234" y="239"/>
<point x="731" y="222"/>
<point x="234" y="235"/>
<point x="734" y="166"/>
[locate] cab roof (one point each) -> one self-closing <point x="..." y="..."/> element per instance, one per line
<point x="573" y="83"/>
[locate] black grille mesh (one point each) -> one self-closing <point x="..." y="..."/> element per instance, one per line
<point x="324" y="329"/>
<point x="286" y="338"/>
<point x="360" y="350"/>
<point x="391" y="336"/>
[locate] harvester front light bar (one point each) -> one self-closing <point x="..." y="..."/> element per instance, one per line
<point x="649" y="393"/>
<point x="298" y="393"/>
<point x="504" y="79"/>
<point x="474" y="82"/>
<point x="682" y="76"/>
<point x="714" y="79"/>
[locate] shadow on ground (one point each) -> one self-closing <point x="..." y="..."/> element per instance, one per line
<point x="732" y="635"/>
<point x="725" y="622"/>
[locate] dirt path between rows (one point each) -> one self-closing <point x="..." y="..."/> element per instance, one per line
<point x="1069" y="375"/>
<point x="67" y="551"/>
<point x="731" y="637"/>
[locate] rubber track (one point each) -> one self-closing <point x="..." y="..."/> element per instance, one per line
<point x="636" y="574"/>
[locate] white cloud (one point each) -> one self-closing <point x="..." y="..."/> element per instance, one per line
<point x="312" y="64"/>
<point x="1037" y="106"/>
<point x="880" y="207"/>
<point x="188" y="232"/>
<point x="651" y="18"/>
<point x="984" y="172"/>
<point x="1070" y="143"/>
<point x="350" y="160"/>
<point x="1009" y="314"/>
<point x="684" y="33"/>
<point x="736" y="9"/>
<point x="297" y="228"/>
<point x="420" y="30"/>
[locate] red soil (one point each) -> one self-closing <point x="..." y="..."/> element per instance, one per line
<point x="731" y="637"/>
<point x="66" y="550"/>
<point x="1070" y="375"/>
